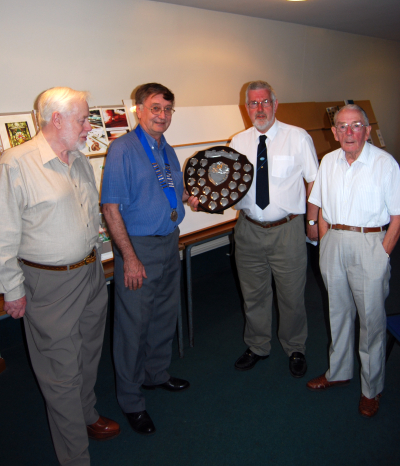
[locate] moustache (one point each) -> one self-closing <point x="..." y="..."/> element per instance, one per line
<point x="261" y="114"/>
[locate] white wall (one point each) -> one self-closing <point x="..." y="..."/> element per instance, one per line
<point x="205" y="57"/>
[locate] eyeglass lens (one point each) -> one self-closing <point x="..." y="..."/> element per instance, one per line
<point x="157" y="110"/>
<point x="265" y="104"/>
<point x="355" y="127"/>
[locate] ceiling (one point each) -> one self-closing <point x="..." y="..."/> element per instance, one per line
<point x="375" y="18"/>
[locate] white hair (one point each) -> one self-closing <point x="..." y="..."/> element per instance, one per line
<point x="57" y="99"/>
<point x="351" y="107"/>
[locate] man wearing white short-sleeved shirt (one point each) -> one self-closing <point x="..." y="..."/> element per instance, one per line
<point x="269" y="235"/>
<point x="358" y="189"/>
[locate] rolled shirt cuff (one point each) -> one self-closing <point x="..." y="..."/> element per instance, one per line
<point x="16" y="293"/>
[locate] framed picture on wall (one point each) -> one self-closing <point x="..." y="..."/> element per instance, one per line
<point x="17" y="128"/>
<point x="96" y="142"/>
<point x="116" y="122"/>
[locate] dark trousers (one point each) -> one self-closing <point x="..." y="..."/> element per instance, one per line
<point x="145" y="319"/>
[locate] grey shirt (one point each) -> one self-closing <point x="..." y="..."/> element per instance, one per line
<point x="49" y="210"/>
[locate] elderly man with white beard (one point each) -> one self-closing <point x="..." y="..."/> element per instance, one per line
<point x="270" y="236"/>
<point x="50" y="268"/>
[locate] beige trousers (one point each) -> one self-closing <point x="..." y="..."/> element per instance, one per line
<point x="356" y="273"/>
<point x="64" y="324"/>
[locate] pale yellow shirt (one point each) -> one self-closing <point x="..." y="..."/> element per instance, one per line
<point x="49" y="211"/>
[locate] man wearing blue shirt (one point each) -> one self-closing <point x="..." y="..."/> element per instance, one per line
<point x="142" y="199"/>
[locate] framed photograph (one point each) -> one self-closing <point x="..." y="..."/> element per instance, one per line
<point x="381" y="141"/>
<point x="331" y="113"/>
<point x="115" y="118"/>
<point x="17" y="128"/>
<point x="116" y="133"/>
<point x="96" y="142"/>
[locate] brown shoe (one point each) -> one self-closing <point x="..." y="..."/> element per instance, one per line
<point x="368" y="407"/>
<point x="103" y="429"/>
<point x="320" y="383"/>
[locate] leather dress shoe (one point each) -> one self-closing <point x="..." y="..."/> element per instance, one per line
<point x="320" y="383"/>
<point x="368" y="407"/>
<point x="248" y="360"/>
<point x="297" y="364"/>
<point x="172" y="385"/>
<point x="141" y="422"/>
<point x="103" y="429"/>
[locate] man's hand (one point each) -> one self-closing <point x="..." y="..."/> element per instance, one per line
<point x="16" y="309"/>
<point x="312" y="232"/>
<point x="134" y="273"/>
<point x="193" y="202"/>
<point x="185" y="195"/>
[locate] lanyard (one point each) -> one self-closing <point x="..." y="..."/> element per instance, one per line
<point x="167" y="186"/>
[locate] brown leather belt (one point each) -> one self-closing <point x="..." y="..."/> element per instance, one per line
<point x="270" y="224"/>
<point x="358" y="229"/>
<point x="60" y="268"/>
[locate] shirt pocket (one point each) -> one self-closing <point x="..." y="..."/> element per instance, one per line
<point x="371" y="199"/>
<point x="282" y="165"/>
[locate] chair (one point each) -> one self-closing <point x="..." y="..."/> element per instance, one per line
<point x="393" y="328"/>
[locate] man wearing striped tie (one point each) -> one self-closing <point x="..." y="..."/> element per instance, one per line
<point x="358" y="190"/>
<point x="269" y="235"/>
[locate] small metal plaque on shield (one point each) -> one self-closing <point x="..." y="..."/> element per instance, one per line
<point x="223" y="178"/>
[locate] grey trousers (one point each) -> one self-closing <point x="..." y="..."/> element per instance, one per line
<point x="260" y="253"/>
<point x="356" y="273"/>
<point x="145" y="319"/>
<point x="64" y="324"/>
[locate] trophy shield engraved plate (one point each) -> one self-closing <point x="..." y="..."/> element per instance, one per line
<point x="219" y="177"/>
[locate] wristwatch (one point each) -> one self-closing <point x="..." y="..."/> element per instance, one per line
<point x="312" y="222"/>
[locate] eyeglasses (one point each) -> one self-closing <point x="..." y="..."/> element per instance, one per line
<point x="254" y="104"/>
<point x="355" y="127"/>
<point x="157" y="110"/>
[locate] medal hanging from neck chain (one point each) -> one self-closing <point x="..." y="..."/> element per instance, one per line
<point x="168" y="185"/>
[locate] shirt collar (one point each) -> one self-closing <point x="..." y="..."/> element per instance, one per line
<point x="365" y="157"/>
<point x="271" y="133"/>
<point x="47" y="154"/>
<point x="152" y="142"/>
<point x="45" y="150"/>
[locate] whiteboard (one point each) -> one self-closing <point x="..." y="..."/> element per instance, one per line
<point x="194" y="125"/>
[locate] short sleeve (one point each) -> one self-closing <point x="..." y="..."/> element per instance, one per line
<point x="115" y="187"/>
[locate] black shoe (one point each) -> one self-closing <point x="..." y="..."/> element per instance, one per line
<point x="172" y="385"/>
<point x="297" y="364"/>
<point x="141" y="422"/>
<point x="248" y="360"/>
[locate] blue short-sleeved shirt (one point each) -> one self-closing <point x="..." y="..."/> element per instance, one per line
<point x="130" y="181"/>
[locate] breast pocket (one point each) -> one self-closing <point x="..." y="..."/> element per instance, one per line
<point x="372" y="199"/>
<point x="282" y="165"/>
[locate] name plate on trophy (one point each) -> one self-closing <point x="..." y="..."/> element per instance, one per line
<point x="219" y="177"/>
